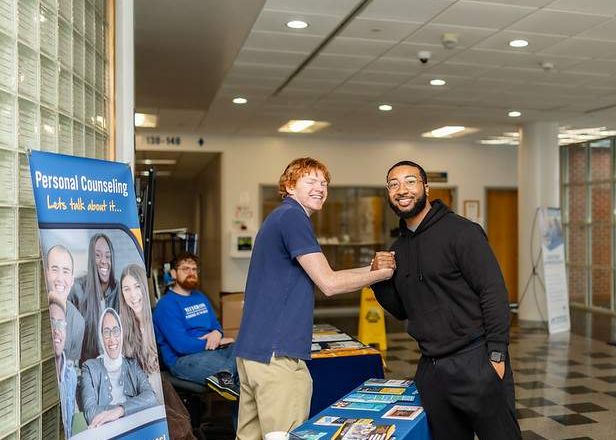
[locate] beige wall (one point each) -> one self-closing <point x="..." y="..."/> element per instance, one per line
<point x="248" y="162"/>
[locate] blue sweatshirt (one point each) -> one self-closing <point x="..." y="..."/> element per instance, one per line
<point x="179" y="322"/>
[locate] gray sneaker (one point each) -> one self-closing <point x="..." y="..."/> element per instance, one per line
<point x="222" y="382"/>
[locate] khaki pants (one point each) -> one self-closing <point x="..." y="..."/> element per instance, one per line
<point x="273" y="397"/>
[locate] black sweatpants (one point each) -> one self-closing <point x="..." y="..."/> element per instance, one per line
<point x="462" y="395"/>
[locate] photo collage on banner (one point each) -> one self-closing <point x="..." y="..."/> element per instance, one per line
<point x="99" y="303"/>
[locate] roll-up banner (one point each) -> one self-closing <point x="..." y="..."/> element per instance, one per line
<point x="99" y="304"/>
<point x="554" y="270"/>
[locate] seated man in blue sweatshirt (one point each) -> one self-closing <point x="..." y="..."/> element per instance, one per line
<point x="189" y="335"/>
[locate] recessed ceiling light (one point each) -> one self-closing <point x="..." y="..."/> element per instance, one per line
<point x="145" y="120"/>
<point x="514" y="114"/>
<point x="437" y="82"/>
<point x="518" y="43"/>
<point x="303" y="126"/>
<point x="385" y="108"/>
<point x="239" y="100"/>
<point x="297" y="24"/>
<point x="156" y="162"/>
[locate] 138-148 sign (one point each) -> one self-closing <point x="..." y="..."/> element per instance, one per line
<point x="168" y="140"/>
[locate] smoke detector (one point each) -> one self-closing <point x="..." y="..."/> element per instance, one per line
<point x="547" y="66"/>
<point x="449" y="40"/>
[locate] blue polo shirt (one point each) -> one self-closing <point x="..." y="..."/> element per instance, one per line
<point x="279" y="297"/>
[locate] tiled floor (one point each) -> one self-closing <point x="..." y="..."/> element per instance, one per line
<point x="565" y="384"/>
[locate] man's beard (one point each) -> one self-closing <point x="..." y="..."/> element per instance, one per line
<point x="420" y="204"/>
<point x="189" y="283"/>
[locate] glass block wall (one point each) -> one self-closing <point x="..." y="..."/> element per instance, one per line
<point x="588" y="172"/>
<point x="54" y="96"/>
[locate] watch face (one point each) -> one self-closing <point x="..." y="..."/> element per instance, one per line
<point x="496" y="356"/>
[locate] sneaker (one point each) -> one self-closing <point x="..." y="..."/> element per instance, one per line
<point x="224" y="385"/>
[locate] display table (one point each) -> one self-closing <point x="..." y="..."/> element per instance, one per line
<point x="416" y="429"/>
<point x="336" y="372"/>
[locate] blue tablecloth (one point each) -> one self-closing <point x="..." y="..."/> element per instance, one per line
<point x="334" y="377"/>
<point x="405" y="429"/>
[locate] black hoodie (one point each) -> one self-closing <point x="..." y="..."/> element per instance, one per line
<point x="447" y="284"/>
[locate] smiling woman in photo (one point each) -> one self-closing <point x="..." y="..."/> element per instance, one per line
<point x="136" y="317"/>
<point x="95" y="291"/>
<point x="113" y="386"/>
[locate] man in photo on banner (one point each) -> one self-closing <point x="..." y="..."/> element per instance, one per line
<point x="65" y="370"/>
<point x="189" y="335"/>
<point x="59" y="276"/>
<point x="276" y="330"/>
<point x="449" y="287"/>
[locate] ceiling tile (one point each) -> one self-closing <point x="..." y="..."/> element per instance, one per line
<point x="557" y="23"/>
<point x="385" y="30"/>
<point x="458" y="69"/>
<point x="406" y="10"/>
<point x="282" y="42"/>
<point x="331" y="61"/>
<point x="357" y="46"/>
<point x="432" y="33"/>
<point x="599" y="7"/>
<point x="604" y="31"/>
<point x="255" y="56"/>
<point x="261" y="70"/>
<point x="394" y="65"/>
<point x="325" y="74"/>
<point x="275" y="21"/>
<point x="593" y="66"/>
<point x="536" y="42"/>
<point x="577" y="47"/>
<point x="530" y="3"/>
<point x="392" y="78"/>
<point x="479" y="14"/>
<point x="410" y="50"/>
<point x="338" y="7"/>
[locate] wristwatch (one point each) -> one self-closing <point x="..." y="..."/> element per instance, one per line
<point x="497" y="356"/>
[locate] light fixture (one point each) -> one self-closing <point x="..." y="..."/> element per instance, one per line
<point x="145" y="120"/>
<point x="514" y="114"/>
<point x="303" y="126"/>
<point x="156" y="173"/>
<point x="385" y="108"/>
<point x="518" y="43"/>
<point x="437" y="82"/>
<point x="239" y="100"/>
<point x="297" y="24"/>
<point x="156" y="161"/>
<point x="449" y="131"/>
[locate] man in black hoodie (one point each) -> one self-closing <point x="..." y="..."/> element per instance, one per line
<point x="449" y="287"/>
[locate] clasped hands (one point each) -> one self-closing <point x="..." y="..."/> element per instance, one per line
<point x="383" y="260"/>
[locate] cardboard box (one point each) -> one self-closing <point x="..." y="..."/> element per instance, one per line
<point x="232" y="306"/>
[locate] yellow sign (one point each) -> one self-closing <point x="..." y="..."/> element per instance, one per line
<point x="371" y="321"/>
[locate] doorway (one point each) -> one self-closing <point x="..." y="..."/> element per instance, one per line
<point x="502" y="228"/>
<point x="443" y="193"/>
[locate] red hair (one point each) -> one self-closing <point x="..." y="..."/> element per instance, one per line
<point x="298" y="169"/>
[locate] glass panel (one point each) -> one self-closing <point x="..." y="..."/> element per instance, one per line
<point x="78" y="105"/>
<point x="28" y="129"/>
<point x="90" y="112"/>
<point x="51" y="419"/>
<point x="28" y="72"/>
<point x="30" y="393"/>
<point x="65" y="44"/>
<point x="65" y="92"/>
<point x="578" y="284"/>
<point x="49" y="130"/>
<point x="48" y="29"/>
<point x="7" y="14"/>
<point x="90" y="64"/>
<point x="65" y="133"/>
<point x="600" y="160"/>
<point x="49" y="82"/>
<point x="101" y="120"/>
<point x="100" y="34"/>
<point x="25" y="182"/>
<point x="65" y="8"/>
<point x="601" y="287"/>
<point x="578" y="241"/>
<point x="78" y="139"/>
<point x="577" y="203"/>
<point x="78" y="54"/>
<point x="28" y="233"/>
<point x="78" y="13"/>
<point x="578" y="162"/>
<point x="27" y="16"/>
<point x="8" y="219"/>
<point x="7" y="176"/>
<point x="28" y="293"/>
<point x="90" y="142"/>
<point x="7" y="62"/>
<point x="7" y="295"/>
<point x="601" y="225"/>
<point x="7" y="120"/>
<point x="89" y="23"/>
<point x="8" y="395"/>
